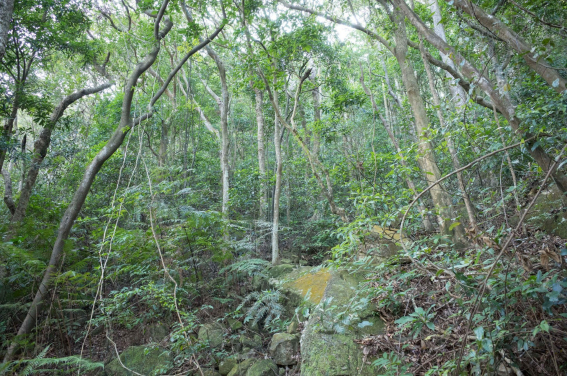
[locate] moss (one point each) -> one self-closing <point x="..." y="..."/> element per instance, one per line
<point x="147" y="361"/>
<point x="212" y="334"/>
<point x="242" y="368"/>
<point x="312" y="283"/>
<point x="226" y="366"/>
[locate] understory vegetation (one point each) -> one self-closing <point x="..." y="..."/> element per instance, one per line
<point x="186" y="182"/>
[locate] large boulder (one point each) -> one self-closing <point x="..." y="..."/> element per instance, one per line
<point x="147" y="361"/>
<point x="327" y="345"/>
<point x="284" y="348"/>
<point x="254" y="343"/>
<point x="264" y="367"/>
<point x="212" y="334"/>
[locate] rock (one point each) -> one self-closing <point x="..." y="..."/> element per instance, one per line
<point x="280" y="270"/>
<point x="234" y="324"/>
<point x="241" y="368"/>
<point x="213" y="334"/>
<point x="157" y="332"/>
<point x="380" y="244"/>
<point x="293" y="327"/>
<point x="264" y="367"/>
<point x="324" y="352"/>
<point x="549" y="213"/>
<point x="254" y="342"/>
<point x="283" y="348"/>
<point x="226" y="366"/>
<point x="209" y="372"/>
<point x="154" y="361"/>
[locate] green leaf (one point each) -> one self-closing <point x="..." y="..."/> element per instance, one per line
<point x="454" y="225"/>
<point x="479" y="332"/>
<point x="430" y="325"/>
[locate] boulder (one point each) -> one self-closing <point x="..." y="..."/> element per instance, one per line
<point x="234" y="324"/>
<point x="254" y="342"/>
<point x="241" y="368"/>
<point x="264" y="367"/>
<point x="324" y="351"/>
<point x="284" y="348"/>
<point x="293" y="327"/>
<point x="212" y="334"/>
<point x="209" y="372"/>
<point x="279" y="270"/>
<point x="147" y="361"/>
<point x="157" y="332"/>
<point x="226" y="366"/>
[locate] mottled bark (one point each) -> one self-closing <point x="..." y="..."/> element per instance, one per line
<point x="277" y="186"/>
<point x="6" y="10"/>
<point x="259" y="96"/>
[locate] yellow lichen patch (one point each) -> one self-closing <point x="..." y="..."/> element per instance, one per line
<point x="315" y="283"/>
<point x="387" y="233"/>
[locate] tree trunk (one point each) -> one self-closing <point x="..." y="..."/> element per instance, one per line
<point x="450" y="145"/>
<point x="440" y="197"/>
<point x="163" y="143"/>
<point x="259" y="94"/>
<point x="8" y="193"/>
<point x="277" y="187"/>
<point x="6" y="10"/>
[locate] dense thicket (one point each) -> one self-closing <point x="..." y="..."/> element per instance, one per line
<point x="158" y="155"/>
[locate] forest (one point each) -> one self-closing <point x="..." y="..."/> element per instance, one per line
<point x="283" y="187"/>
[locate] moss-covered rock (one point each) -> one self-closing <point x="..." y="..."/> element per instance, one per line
<point x="209" y="372"/>
<point x="212" y="334"/>
<point x="254" y="342"/>
<point x="147" y="361"/>
<point x="241" y="368"/>
<point x="284" y="348"/>
<point x="264" y="367"/>
<point x="227" y="365"/>
<point x="325" y="352"/>
<point x="234" y="324"/>
<point x="277" y="271"/>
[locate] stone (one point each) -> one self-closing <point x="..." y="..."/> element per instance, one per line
<point x="226" y="366"/>
<point x="284" y="348"/>
<point x="209" y="372"/>
<point x="212" y="334"/>
<point x="241" y="368"/>
<point x="234" y="324"/>
<point x="157" y="332"/>
<point x="293" y="327"/>
<point x="254" y="342"/>
<point x="265" y="367"/>
<point x="277" y="271"/>
<point x="324" y="352"/>
<point x="549" y="213"/>
<point x="141" y="359"/>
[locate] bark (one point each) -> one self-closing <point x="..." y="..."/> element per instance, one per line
<point x="515" y="42"/>
<point x="10" y="124"/>
<point x="259" y="94"/>
<point x="115" y="141"/>
<point x="441" y="199"/>
<point x="277" y="187"/>
<point x="41" y="146"/>
<point x="8" y="194"/>
<point x="6" y="10"/>
<point x="315" y="139"/>
<point x="501" y="103"/>
<point x="163" y="143"/>
<point x="450" y="144"/>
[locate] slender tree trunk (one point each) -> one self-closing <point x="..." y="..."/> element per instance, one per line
<point x="450" y="144"/>
<point x="259" y="94"/>
<point x="441" y="199"/>
<point x="8" y="193"/>
<point x="277" y="187"/>
<point x="6" y="9"/>
<point x="163" y="143"/>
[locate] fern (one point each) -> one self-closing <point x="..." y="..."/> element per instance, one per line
<point x="250" y="267"/>
<point x="32" y="366"/>
<point x="266" y="306"/>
